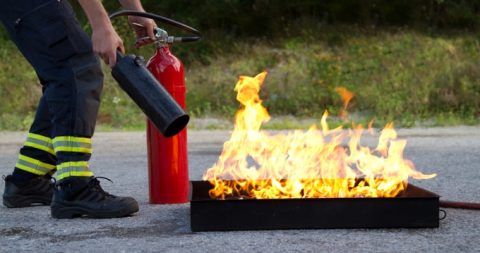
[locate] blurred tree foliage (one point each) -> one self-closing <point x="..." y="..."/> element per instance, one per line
<point x="258" y="17"/>
<point x="224" y="21"/>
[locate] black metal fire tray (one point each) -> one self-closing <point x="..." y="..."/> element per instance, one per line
<point x="413" y="208"/>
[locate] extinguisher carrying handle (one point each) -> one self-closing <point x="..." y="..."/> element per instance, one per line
<point x="163" y="20"/>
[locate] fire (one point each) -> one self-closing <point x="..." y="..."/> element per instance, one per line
<point x="346" y="97"/>
<point x="304" y="164"/>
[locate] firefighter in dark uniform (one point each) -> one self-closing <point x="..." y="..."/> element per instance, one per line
<point x="59" y="140"/>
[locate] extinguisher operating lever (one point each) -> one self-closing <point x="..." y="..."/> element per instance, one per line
<point x="163" y="38"/>
<point x="160" y="34"/>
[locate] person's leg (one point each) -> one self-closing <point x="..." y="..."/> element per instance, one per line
<point x="49" y="37"/>
<point x="30" y="182"/>
<point x="52" y="40"/>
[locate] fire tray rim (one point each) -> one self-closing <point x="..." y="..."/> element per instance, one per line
<point x="411" y="189"/>
<point x="312" y="213"/>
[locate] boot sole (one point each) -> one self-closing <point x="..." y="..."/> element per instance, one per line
<point x="25" y="201"/>
<point x="59" y="212"/>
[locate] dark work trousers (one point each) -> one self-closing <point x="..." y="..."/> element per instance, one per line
<point x="51" y="39"/>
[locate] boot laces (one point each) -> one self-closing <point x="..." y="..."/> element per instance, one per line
<point x="95" y="185"/>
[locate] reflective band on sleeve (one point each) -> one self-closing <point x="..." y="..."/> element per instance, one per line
<point x="72" y="144"/>
<point x="39" y="142"/>
<point x="73" y="169"/>
<point x="33" y="165"/>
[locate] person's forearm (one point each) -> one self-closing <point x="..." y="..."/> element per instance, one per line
<point x="135" y="5"/>
<point x="105" y="40"/>
<point x="96" y="14"/>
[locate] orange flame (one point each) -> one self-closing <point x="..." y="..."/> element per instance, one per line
<point x="346" y="97"/>
<point x="304" y="164"/>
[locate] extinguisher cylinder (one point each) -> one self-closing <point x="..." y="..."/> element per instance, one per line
<point x="168" y="157"/>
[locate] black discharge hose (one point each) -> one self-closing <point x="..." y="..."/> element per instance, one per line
<point x="163" y="20"/>
<point x="460" y="205"/>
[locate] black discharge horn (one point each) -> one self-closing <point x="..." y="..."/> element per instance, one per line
<point x="134" y="78"/>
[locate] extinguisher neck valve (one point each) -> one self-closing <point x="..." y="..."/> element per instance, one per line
<point x="161" y="37"/>
<point x="163" y="40"/>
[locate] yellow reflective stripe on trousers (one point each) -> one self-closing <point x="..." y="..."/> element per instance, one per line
<point x="33" y="165"/>
<point x="73" y="169"/>
<point x="72" y="144"/>
<point x="39" y="142"/>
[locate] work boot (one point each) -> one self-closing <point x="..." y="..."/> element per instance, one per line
<point x="84" y="197"/>
<point x="35" y="191"/>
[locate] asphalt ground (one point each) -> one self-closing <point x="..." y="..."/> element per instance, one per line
<point x="452" y="153"/>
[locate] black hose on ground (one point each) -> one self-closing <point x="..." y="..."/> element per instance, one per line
<point x="459" y="205"/>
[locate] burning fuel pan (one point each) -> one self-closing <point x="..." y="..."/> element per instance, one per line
<point x="414" y="208"/>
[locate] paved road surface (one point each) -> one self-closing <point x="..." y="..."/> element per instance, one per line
<point x="453" y="153"/>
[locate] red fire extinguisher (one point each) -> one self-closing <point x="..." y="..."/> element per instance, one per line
<point x="167" y="156"/>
